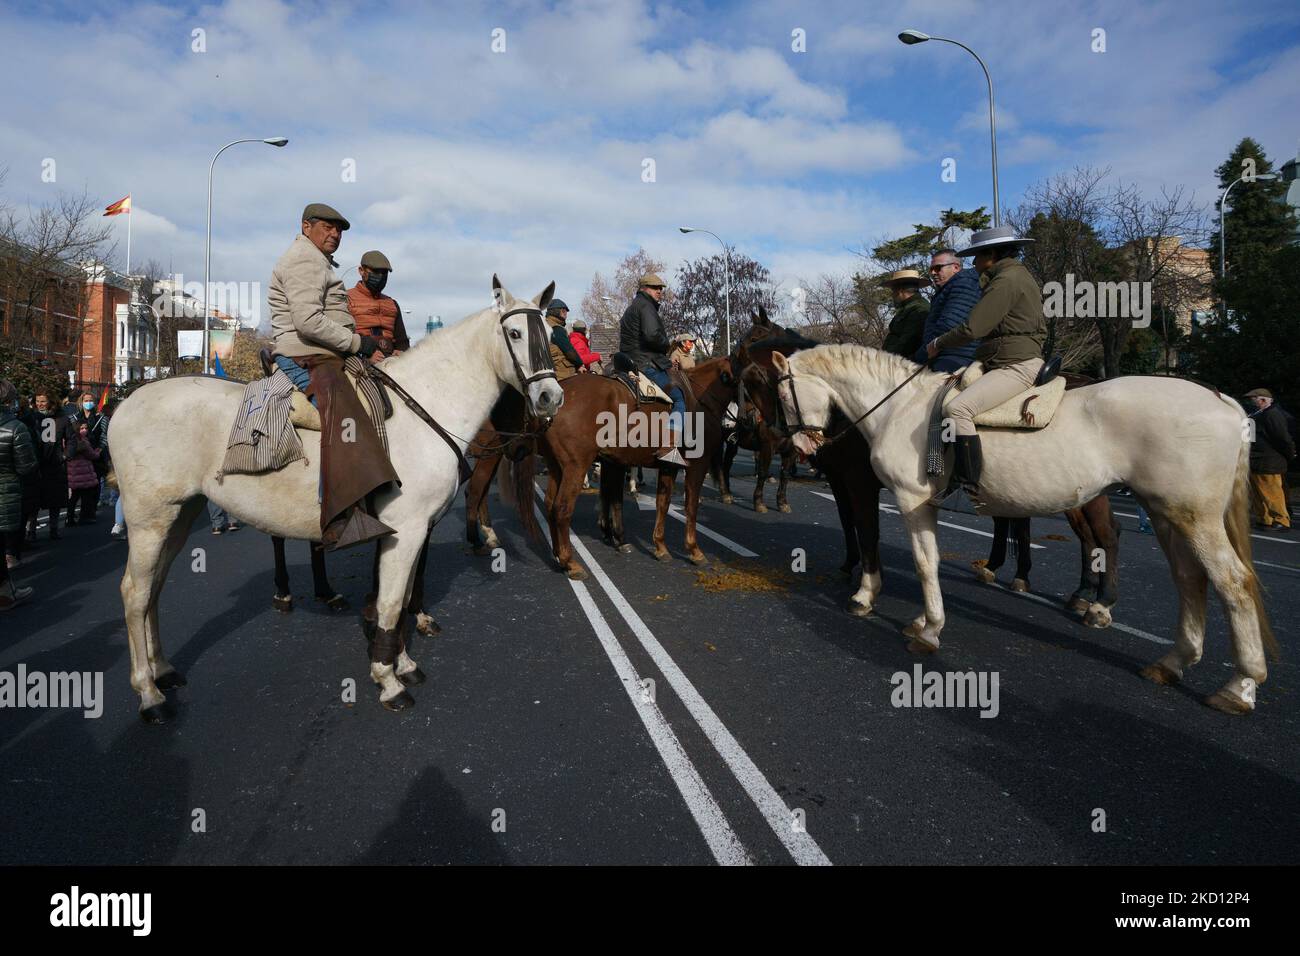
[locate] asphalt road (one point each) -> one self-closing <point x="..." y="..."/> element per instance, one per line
<point x="767" y="735"/>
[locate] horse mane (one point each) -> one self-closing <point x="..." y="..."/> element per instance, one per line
<point x="831" y="360"/>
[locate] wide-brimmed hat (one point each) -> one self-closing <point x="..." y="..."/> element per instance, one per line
<point x="905" y="277"/>
<point x="1259" y="393"/>
<point x="989" y="238"/>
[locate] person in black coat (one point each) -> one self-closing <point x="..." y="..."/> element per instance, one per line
<point x="1271" y="453"/>
<point x="56" y="440"/>
<point x="642" y="337"/>
<point x="17" y="461"/>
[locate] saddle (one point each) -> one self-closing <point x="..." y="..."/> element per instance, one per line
<point x="642" y="388"/>
<point x="1033" y="408"/>
<point x="303" y="414"/>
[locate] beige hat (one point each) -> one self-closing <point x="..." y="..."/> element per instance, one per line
<point x="374" y="259"/>
<point x="651" y="279"/>
<point x="905" y="277"/>
<point x="1259" y="393"/>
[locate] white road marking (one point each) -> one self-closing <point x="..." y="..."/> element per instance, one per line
<point x="947" y="524"/>
<point x="1059" y="604"/>
<point x="1261" y="537"/>
<point x="723" y="540"/>
<point x="717" y="832"/>
<point x="779" y="817"/>
<point x="1282" y="567"/>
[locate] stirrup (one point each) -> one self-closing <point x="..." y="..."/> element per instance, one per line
<point x="671" y="457"/>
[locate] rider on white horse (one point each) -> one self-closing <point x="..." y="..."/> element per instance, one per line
<point x="1009" y="320"/>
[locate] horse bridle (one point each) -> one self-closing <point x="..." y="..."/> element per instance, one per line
<point x="539" y="352"/>
<point x="801" y="426"/>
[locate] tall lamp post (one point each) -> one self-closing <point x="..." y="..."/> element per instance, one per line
<point x="727" y="291"/>
<point x="1223" y="203"/>
<point x="911" y="38"/>
<point x="207" y="249"/>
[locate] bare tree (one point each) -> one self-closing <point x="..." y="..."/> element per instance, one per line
<point x="607" y="298"/>
<point x="827" y="308"/>
<point x="700" y="304"/>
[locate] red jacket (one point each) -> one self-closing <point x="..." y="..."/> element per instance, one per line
<point x="579" y="342"/>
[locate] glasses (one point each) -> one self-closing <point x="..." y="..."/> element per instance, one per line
<point x="940" y="266"/>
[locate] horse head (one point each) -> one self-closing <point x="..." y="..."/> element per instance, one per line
<point x="523" y="356"/>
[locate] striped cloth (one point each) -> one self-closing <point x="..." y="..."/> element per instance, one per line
<point x="371" y="396"/>
<point x="262" y="439"/>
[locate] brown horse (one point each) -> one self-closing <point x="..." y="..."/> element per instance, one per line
<point x="846" y="463"/>
<point x="580" y="433"/>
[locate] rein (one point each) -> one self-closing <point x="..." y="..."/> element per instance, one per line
<point x="539" y="357"/>
<point x="800" y="426"/>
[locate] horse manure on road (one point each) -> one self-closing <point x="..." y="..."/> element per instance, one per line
<point x="756" y="580"/>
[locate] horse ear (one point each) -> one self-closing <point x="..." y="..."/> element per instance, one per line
<point x="780" y="364"/>
<point x="544" y="299"/>
<point x="499" y="294"/>
<point x="762" y="314"/>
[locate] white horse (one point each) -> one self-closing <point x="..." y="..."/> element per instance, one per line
<point x="1182" y="449"/>
<point x="169" y="440"/>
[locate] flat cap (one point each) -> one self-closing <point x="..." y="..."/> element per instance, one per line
<point x="374" y="259"/>
<point x="1259" y="393"/>
<point x="318" y="210"/>
<point x="556" y="307"/>
<point x="652" y="279"/>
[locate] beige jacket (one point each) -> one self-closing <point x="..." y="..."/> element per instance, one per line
<point x="309" y="306"/>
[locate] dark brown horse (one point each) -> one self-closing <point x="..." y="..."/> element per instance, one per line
<point x="581" y="432"/>
<point x="846" y="463"/>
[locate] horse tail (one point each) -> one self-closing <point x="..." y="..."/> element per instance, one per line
<point x="516" y="486"/>
<point x="110" y="477"/>
<point x="1236" y="521"/>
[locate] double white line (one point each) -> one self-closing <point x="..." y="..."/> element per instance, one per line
<point x="717" y="831"/>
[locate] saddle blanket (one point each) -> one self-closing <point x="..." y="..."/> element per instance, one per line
<point x="642" y="388"/>
<point x="1030" y="409"/>
<point x="262" y="438"/>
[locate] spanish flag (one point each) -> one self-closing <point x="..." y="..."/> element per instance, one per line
<point x="119" y="207"/>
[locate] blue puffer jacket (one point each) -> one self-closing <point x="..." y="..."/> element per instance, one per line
<point x="948" y="309"/>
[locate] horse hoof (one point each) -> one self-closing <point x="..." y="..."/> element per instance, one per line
<point x="170" y="681"/>
<point x="158" y="713"/>
<point x="426" y="625"/>
<point x="283" y="603"/>
<point x="727" y="500"/>
<point x="663" y="556"/>
<point x="336" y="604"/>
<point x="785" y="509"/>
<point x="858" y="609"/>
<point x="1229" y="703"/>
<point x="1098" y="618"/>
<point x="398" y="702"/>
<point x="699" y="560"/>
<point x="760" y="508"/>
<point x="412" y="678"/>
<point x="1078" y="604"/>
<point x="921" y="646"/>
<point x="983" y="573"/>
<point x="1021" y="585"/>
<point x="1158" y="673"/>
<point x="576" y="574"/>
<point x="624" y="548"/>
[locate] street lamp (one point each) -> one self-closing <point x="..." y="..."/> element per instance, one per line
<point x="207" y="249"/>
<point x="727" y="291"/>
<point x="913" y="37"/>
<point x="1223" y="202"/>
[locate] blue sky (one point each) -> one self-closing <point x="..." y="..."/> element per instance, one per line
<point x="529" y="162"/>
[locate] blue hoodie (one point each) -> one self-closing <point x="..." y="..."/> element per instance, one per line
<point x="948" y="309"/>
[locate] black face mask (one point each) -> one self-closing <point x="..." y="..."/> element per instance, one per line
<point x="376" y="281"/>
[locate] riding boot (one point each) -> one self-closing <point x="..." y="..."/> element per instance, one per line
<point x="970" y="462"/>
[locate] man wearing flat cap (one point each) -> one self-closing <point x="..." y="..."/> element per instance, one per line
<point x="564" y="356"/>
<point x="313" y="331"/>
<point x="641" y="337"/>
<point x="1271" y="452"/>
<point x="1009" y="321"/>
<point x="910" y="311"/>
<point x="375" y="313"/>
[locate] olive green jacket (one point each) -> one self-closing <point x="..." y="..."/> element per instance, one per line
<point x="905" y="331"/>
<point x="1008" y="317"/>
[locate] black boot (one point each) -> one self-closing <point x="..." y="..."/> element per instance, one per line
<point x="970" y="463"/>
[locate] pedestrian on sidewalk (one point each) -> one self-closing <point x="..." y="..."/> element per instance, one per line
<point x="56" y="440"/>
<point x="83" y="483"/>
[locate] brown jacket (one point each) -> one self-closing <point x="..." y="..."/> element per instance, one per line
<point x="309" y="307"/>
<point x="378" y="315"/>
<point x="1008" y="317"/>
